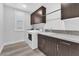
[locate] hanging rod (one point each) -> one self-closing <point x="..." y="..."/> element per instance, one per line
<point x="52" y="12"/>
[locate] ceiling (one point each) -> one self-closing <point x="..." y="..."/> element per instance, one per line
<point x="31" y="7"/>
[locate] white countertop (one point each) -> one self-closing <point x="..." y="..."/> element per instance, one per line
<point x="72" y="38"/>
<point x="32" y="31"/>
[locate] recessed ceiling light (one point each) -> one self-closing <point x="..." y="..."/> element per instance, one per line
<point x="24" y="6"/>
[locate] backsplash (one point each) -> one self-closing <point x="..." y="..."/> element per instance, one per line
<point x="55" y="24"/>
<point x="63" y="32"/>
<point x="38" y="26"/>
<point x="72" y="24"/>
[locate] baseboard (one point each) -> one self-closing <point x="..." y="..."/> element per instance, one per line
<point x="6" y="44"/>
<point x="13" y="42"/>
<point x="1" y="48"/>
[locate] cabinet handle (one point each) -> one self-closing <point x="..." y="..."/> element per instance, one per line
<point x="57" y="47"/>
<point x="65" y="43"/>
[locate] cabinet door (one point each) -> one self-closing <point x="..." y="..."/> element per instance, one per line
<point x="63" y="48"/>
<point x="52" y="46"/>
<point x="43" y="44"/>
<point x="47" y="45"/>
<point x="74" y="49"/>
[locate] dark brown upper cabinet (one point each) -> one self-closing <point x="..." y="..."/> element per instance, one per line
<point x="39" y="16"/>
<point x="69" y="10"/>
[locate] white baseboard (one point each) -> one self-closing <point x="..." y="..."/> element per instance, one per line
<point x="13" y="42"/>
<point x="1" y="48"/>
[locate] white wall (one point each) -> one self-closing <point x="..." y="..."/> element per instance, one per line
<point x="53" y="21"/>
<point x="10" y="35"/>
<point x="1" y="26"/>
<point x="52" y="7"/>
<point x="27" y="21"/>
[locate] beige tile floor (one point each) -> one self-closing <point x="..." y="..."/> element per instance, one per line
<point x="20" y="49"/>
